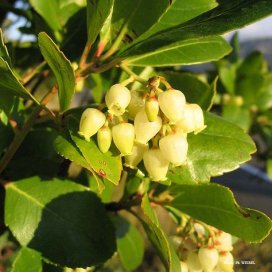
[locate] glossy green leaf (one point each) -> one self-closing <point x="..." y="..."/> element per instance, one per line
<point x="10" y="84"/>
<point x="238" y="115"/>
<point x="97" y="13"/>
<point x="107" y="165"/>
<point x="179" y="12"/>
<point x="215" y="205"/>
<point x="158" y="237"/>
<point x="67" y="149"/>
<point x="27" y="260"/>
<point x="219" y="148"/>
<point x="61" y="67"/>
<point x="59" y="219"/>
<point x="228" y="77"/>
<point x="194" y="89"/>
<point x="135" y="16"/>
<point x="130" y="244"/>
<point x="172" y="51"/>
<point x="3" y="49"/>
<point x="55" y="12"/>
<point x="162" y="245"/>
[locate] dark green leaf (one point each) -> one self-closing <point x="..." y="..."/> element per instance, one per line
<point x="107" y="165"/>
<point x="174" y="51"/>
<point x="162" y="245"/>
<point x="10" y="84"/>
<point x="97" y="13"/>
<point x="130" y="244"/>
<point x="219" y="148"/>
<point x="135" y="16"/>
<point x="194" y="89"/>
<point x="215" y="205"/>
<point x="59" y="218"/>
<point x="179" y="12"/>
<point x="158" y="238"/>
<point x="61" y="67"/>
<point x="27" y="260"/>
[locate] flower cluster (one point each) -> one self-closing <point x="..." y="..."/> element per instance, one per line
<point x="151" y="126"/>
<point x="205" y="248"/>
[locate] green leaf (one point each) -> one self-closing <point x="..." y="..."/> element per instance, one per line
<point x="27" y="260"/>
<point x="107" y="165"/>
<point x="238" y="115"/>
<point x="59" y="218"/>
<point x="67" y="149"/>
<point x="158" y="238"/>
<point x="130" y="243"/>
<point x="194" y="89"/>
<point x="56" y="13"/>
<point x="219" y="148"/>
<point x="135" y="16"/>
<point x="228" y="77"/>
<point x="97" y="13"/>
<point x="61" y="67"/>
<point x="179" y="12"/>
<point x="162" y="245"/>
<point x="173" y="51"/>
<point x="215" y="205"/>
<point x="3" y="49"/>
<point x="10" y="84"/>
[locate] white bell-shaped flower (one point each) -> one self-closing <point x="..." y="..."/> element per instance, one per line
<point x="224" y="242"/>
<point x="135" y="105"/>
<point x="172" y="103"/>
<point x="145" y="130"/>
<point x="123" y="137"/>
<point x="152" y="109"/>
<point x="155" y="164"/>
<point x="193" y="262"/>
<point x="193" y="119"/>
<point x="226" y="262"/>
<point x="137" y="155"/>
<point x="174" y="148"/>
<point x="91" y="121"/>
<point x="117" y="99"/>
<point x="104" y="139"/>
<point x="208" y="257"/>
<point x="183" y="267"/>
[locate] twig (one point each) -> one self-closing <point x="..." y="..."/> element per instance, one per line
<point x="30" y="75"/>
<point x="131" y="73"/>
<point x="85" y="54"/>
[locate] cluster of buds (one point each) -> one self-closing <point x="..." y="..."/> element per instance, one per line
<point x="151" y="126"/>
<point x="204" y="248"/>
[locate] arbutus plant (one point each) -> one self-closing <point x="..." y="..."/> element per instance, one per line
<point x="98" y="143"/>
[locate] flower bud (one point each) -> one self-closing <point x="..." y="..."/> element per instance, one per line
<point x="123" y="137"/>
<point x="145" y="130"/>
<point x="135" y="105"/>
<point x="174" y="148"/>
<point x="152" y="109"/>
<point x="155" y="164"/>
<point x="117" y="99"/>
<point x="137" y="155"/>
<point x="224" y="242"/>
<point x="208" y="258"/>
<point x="172" y="103"/>
<point x="226" y="262"/>
<point x="183" y="267"/>
<point x="193" y="262"/>
<point x="193" y="119"/>
<point x="91" y="121"/>
<point x="104" y="138"/>
<point x="200" y="230"/>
